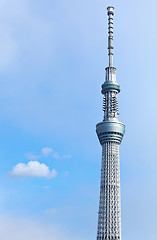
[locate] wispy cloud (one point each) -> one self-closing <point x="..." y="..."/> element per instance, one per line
<point x="18" y="20"/>
<point x="28" y="229"/>
<point x="32" y="156"/>
<point x="66" y="173"/>
<point x="32" y="169"/>
<point x="46" y="187"/>
<point x="56" y="155"/>
<point x="51" y="211"/>
<point x="47" y="152"/>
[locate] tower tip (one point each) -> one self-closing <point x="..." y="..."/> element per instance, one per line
<point x="110" y="10"/>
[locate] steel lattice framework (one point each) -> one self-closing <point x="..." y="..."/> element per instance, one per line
<point x="110" y="133"/>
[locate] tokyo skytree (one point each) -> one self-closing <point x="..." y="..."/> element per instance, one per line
<point x="110" y="133"/>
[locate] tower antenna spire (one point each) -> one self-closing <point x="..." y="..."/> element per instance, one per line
<point x="110" y="12"/>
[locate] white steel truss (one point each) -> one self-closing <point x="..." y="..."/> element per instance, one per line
<point x="109" y="219"/>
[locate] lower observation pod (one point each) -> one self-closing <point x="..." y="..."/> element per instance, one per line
<point x="109" y="131"/>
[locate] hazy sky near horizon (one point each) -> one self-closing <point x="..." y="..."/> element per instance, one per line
<point x="52" y="60"/>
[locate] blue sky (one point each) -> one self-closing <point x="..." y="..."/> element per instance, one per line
<point x="52" y="59"/>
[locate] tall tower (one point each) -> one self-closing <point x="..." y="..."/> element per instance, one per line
<point x="110" y="133"/>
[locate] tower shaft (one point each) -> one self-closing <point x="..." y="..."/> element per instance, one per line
<point x="110" y="133"/>
<point x="109" y="220"/>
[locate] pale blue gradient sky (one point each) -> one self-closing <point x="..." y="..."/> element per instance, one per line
<point x="52" y="59"/>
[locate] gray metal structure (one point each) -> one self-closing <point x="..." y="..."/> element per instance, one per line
<point x="110" y="133"/>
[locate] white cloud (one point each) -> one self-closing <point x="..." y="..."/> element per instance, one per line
<point x="46" y="151"/>
<point x="32" y="169"/>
